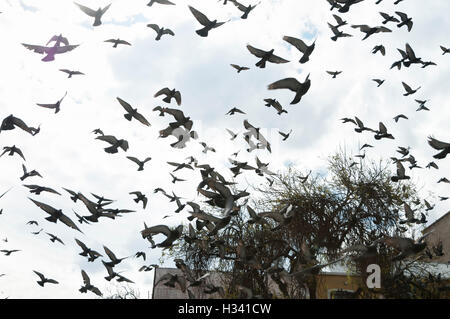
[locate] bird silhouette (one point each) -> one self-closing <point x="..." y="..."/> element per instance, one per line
<point x="294" y="85"/>
<point x="96" y="14"/>
<point x="266" y="56"/>
<point x="160" y="31"/>
<point x="208" y="25"/>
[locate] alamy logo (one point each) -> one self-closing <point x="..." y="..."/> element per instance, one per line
<point x="374" y="278"/>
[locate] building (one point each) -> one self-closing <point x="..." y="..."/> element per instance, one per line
<point x="440" y="233"/>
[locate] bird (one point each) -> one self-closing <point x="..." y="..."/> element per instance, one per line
<point x="9" y="252"/>
<point x="132" y="113"/>
<point x="36" y="189"/>
<point x="334" y="74"/>
<point x="55" y="106"/>
<point x="180" y="166"/>
<point x="160" y="31"/>
<point x="339" y="20"/>
<point x="140" y="163"/>
<point x="285" y="135"/>
<point x="276" y="105"/>
<point x="117" y="42"/>
<point x="70" y="72"/>
<point x="409" y="90"/>
<point x="365" y="146"/>
<point x="171" y="234"/>
<point x="445" y="50"/>
<point x="400" y="116"/>
<point x="206" y="148"/>
<point x="88" y="286"/>
<point x="96" y="14"/>
<point x="405" y="20"/>
<point x="43" y="280"/>
<point x="51" y="51"/>
<point x="233" y="135"/>
<point x="114" y="260"/>
<point x="370" y="30"/>
<point x="266" y="56"/>
<point x="294" y="85"/>
<point x="388" y="18"/>
<point x="432" y="164"/>
<point x="422" y="106"/>
<point x="361" y="126"/>
<point x="443" y="180"/>
<point x="240" y="68"/>
<point x="409" y="214"/>
<point x="11" y="122"/>
<point x="87" y="252"/>
<point x="11" y="150"/>
<point x="27" y="174"/>
<point x="54" y="238"/>
<point x="170" y="94"/>
<point x="203" y="20"/>
<point x="337" y="34"/>
<point x="382" y="132"/>
<point x="55" y="215"/>
<point x="406" y="246"/>
<point x="438" y="145"/>
<point x="301" y="46"/>
<point x="160" y="2"/>
<point x="234" y="110"/>
<point x="379" y="48"/>
<point x="115" y="143"/>
<point x="245" y="9"/>
<point x="400" y="173"/>
<point x="378" y="81"/>
<point x="140" y="198"/>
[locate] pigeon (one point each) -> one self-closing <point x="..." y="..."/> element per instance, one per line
<point x="245" y="9"/>
<point x="160" y="31"/>
<point x="239" y="68"/>
<point x="97" y="15"/>
<point x="11" y="122"/>
<point x="11" y="150"/>
<point x="438" y="145"/>
<point x="334" y="73"/>
<point x="203" y="20"/>
<point x="422" y="105"/>
<point x="266" y="56"/>
<point x="337" y="34"/>
<point x="56" y="106"/>
<point x="51" y="51"/>
<point x="114" y="260"/>
<point x="445" y="50"/>
<point x="370" y="30"/>
<point x="88" y="286"/>
<point x="234" y="110"/>
<point x="388" y="18"/>
<point x="378" y="81"/>
<point x="285" y="135"/>
<point x="140" y="198"/>
<point x="170" y="94"/>
<point x="171" y="235"/>
<point x="140" y="163"/>
<point x="70" y="72"/>
<point x="294" y="85"/>
<point x="405" y="20"/>
<point x="379" y="48"/>
<point x="233" y="135"/>
<point x="339" y="20"/>
<point x="409" y="90"/>
<point x="55" y="215"/>
<point x="406" y="246"/>
<point x="36" y="189"/>
<point x="132" y="113"/>
<point x="382" y="132"/>
<point x="54" y="238"/>
<point x="87" y="251"/>
<point x="400" y="173"/>
<point x="302" y="47"/>
<point x="27" y="174"/>
<point x="117" y="42"/>
<point x="276" y="105"/>
<point x="9" y="252"/>
<point x="115" y="143"/>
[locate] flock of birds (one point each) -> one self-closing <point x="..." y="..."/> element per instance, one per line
<point x="219" y="192"/>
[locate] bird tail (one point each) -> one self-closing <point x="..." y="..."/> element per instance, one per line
<point x="49" y="57"/>
<point x="111" y="150"/>
<point x="394" y="178"/>
<point x="166" y="99"/>
<point x="334" y="38"/>
<point x="83" y="290"/>
<point x="244" y="16"/>
<point x="128" y="117"/>
<point x="52" y="219"/>
<point x="261" y="64"/>
<point x="202" y="32"/>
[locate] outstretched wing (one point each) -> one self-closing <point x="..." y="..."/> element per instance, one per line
<point x="65" y="48"/>
<point x="200" y="16"/>
<point x="87" y="10"/>
<point x="154" y="27"/>
<point x="299" y="44"/>
<point x="164" y="91"/>
<point x="36" y="48"/>
<point x="256" y="52"/>
<point x="288" y="83"/>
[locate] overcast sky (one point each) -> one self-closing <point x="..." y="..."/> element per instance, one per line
<point x="66" y="153"/>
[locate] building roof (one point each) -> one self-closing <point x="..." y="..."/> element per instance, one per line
<point x="436" y="221"/>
